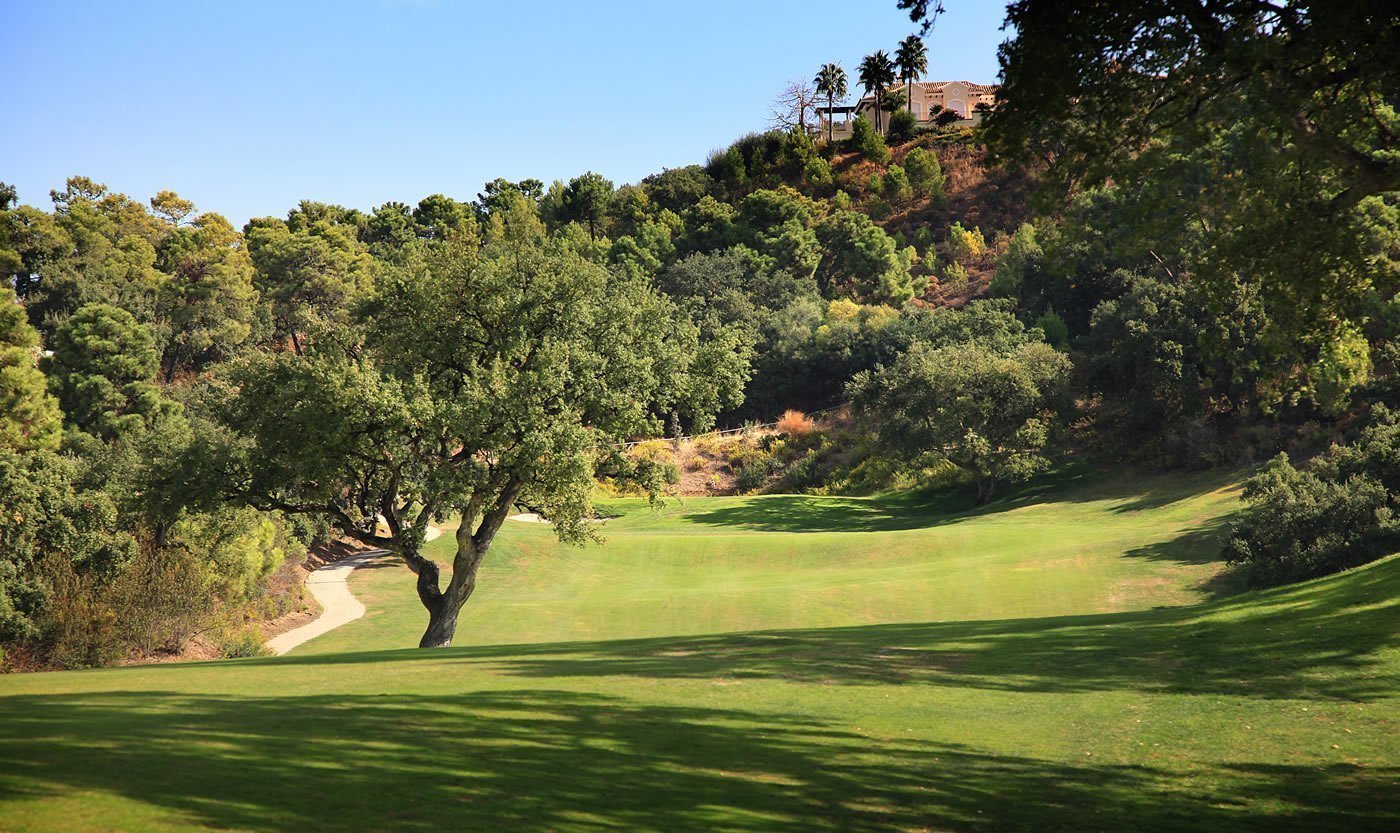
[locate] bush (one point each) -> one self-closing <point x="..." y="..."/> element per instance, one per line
<point x="80" y="625"/>
<point x="896" y="185"/>
<point x="925" y="174"/>
<point x="954" y="279"/>
<point x="1023" y="256"/>
<point x="867" y="142"/>
<point x="1339" y="513"/>
<point x="795" y="424"/>
<point x="946" y="117"/>
<point x="1054" y="327"/>
<point x="903" y="125"/>
<point x="923" y="241"/>
<point x="817" y="174"/>
<point x="247" y="642"/>
<point x="965" y="244"/>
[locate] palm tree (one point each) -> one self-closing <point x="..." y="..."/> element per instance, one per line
<point x="912" y="60"/>
<point x="830" y="82"/>
<point x="876" y="75"/>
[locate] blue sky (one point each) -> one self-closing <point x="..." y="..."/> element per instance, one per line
<point x="248" y="107"/>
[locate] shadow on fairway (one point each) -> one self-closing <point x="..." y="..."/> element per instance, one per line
<point x="1318" y="639"/>
<point x="929" y="508"/>
<point x="557" y="760"/>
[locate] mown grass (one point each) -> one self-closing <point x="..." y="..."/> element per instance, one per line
<point x="1262" y="711"/>
<point x="1068" y="544"/>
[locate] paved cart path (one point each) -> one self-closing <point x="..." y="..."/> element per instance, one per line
<point x="338" y="605"/>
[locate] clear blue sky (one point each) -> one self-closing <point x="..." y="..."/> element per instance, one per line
<point x="248" y="107"/>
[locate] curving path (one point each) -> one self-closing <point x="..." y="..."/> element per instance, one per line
<point x="338" y="605"/>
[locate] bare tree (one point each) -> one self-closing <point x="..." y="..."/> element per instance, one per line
<point x="791" y="107"/>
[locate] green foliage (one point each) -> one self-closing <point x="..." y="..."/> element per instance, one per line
<point x="447" y="407"/>
<point x="29" y="416"/>
<point x="903" y="125"/>
<point x="1145" y="354"/>
<point x="965" y="244"/>
<point x="989" y="412"/>
<point x="868" y="142"/>
<point x="777" y="223"/>
<point x="955" y="278"/>
<point x="309" y="271"/>
<point x="209" y="301"/>
<point x="677" y="189"/>
<point x="102" y="370"/>
<point x="1022" y="258"/>
<point x="1336" y="514"/>
<point x="1056" y="332"/>
<point x="1344" y="362"/>
<point x="923" y="242"/>
<point x="500" y="195"/>
<point x="895" y="186"/>
<point x="990" y="323"/>
<point x="862" y="262"/>
<point x="817" y="175"/>
<point x="442" y="218"/>
<point x="33" y="490"/>
<point x="925" y="174"/>
<point x="585" y="200"/>
<point x="1264" y="186"/>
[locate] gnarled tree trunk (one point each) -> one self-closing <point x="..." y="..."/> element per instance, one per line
<point x="444" y="605"/>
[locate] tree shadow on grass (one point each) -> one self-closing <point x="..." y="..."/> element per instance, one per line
<point x="1200" y="545"/>
<point x="1075" y="483"/>
<point x="560" y="760"/>
<point x="1319" y="639"/>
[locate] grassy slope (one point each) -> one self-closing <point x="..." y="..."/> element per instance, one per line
<point x="1258" y="712"/>
<point x="708" y="565"/>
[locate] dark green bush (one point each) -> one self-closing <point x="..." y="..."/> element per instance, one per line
<point x="866" y="141"/>
<point x="1338" y="513"/>
<point x="903" y="126"/>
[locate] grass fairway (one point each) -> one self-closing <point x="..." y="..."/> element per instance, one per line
<point x="1055" y="663"/>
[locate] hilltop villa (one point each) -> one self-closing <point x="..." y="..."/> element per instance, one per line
<point x="962" y="97"/>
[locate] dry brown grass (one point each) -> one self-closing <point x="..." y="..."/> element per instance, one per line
<point x="795" y="424"/>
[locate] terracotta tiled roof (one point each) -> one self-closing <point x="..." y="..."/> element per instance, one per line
<point x="971" y="87"/>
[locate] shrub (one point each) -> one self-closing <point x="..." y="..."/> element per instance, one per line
<point x="954" y="279"/>
<point x="866" y="141"/>
<point x="817" y="174"/>
<point x="163" y="599"/>
<point x="903" y="125"/>
<point x="965" y="244"/>
<point x="706" y="444"/>
<point x="1023" y="256"/>
<point x="245" y="642"/>
<point x="1054" y="327"/>
<point x="80" y="626"/>
<point x="896" y="185"/>
<point x="755" y="472"/>
<point x="923" y="240"/>
<point x="925" y="174"/>
<point x="1339" y="513"/>
<point x="795" y="424"/>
